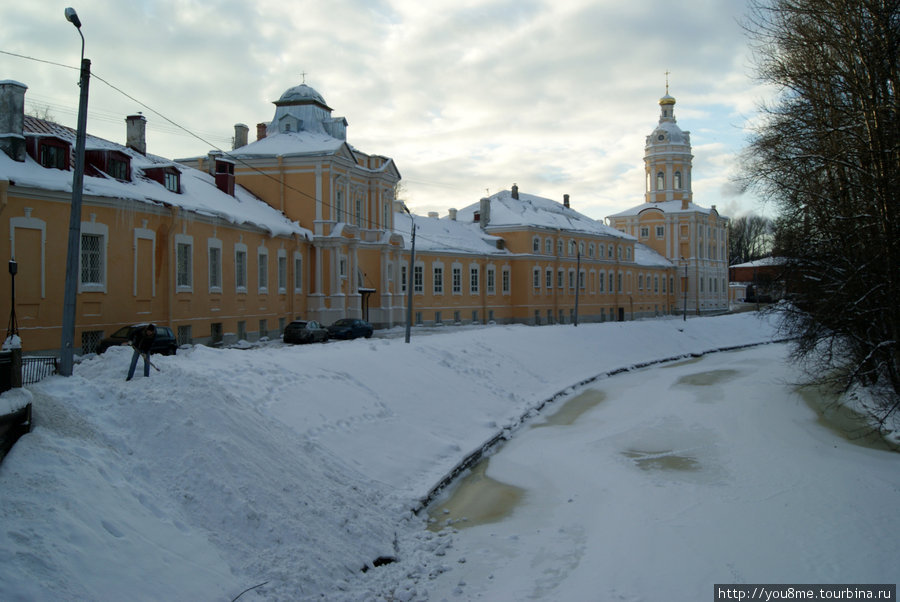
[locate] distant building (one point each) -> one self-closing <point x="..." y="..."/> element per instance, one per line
<point x="693" y="238"/>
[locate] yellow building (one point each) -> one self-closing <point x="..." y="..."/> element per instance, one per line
<point x="160" y="242"/>
<point x="692" y="237"/>
<point x="515" y="257"/>
<point x="302" y="165"/>
<point x="300" y="224"/>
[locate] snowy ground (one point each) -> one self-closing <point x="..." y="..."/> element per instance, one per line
<point x="290" y="466"/>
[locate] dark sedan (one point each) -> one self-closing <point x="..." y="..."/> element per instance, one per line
<point x="164" y="342"/>
<point x="350" y="328"/>
<point x="305" y="331"/>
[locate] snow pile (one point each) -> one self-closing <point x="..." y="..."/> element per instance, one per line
<point x="293" y="466"/>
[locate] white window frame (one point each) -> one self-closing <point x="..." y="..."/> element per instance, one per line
<point x="437" y="278"/>
<point x="214" y="271"/>
<point x="298" y="272"/>
<point x="474" y="279"/>
<point x="491" y="276"/>
<point x="92" y="228"/>
<point x="262" y="270"/>
<point x="240" y="267"/>
<point x="456" y="279"/>
<point x="281" y="270"/>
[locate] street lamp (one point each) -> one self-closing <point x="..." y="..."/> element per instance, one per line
<point x="409" y="275"/>
<point x="71" y="289"/>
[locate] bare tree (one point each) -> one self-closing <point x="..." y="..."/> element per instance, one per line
<point x="827" y="153"/>
<point x="749" y="238"/>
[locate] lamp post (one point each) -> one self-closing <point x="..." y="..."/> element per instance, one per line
<point x="71" y="288"/>
<point x="409" y="275"/>
<point x="12" y="328"/>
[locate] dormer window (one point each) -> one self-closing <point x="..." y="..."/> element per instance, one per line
<point x="50" y="152"/>
<point x="168" y="176"/>
<point x="53" y="156"/>
<point x="113" y="163"/>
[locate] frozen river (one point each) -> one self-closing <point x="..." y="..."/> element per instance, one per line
<point x="660" y="483"/>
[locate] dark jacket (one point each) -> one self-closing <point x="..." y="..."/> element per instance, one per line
<point x="142" y="340"/>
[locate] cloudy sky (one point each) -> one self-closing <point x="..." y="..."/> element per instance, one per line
<point x="468" y="97"/>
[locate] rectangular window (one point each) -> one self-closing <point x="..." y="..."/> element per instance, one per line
<point x="560" y="279"/>
<point x="438" y="277"/>
<point x="505" y="283"/>
<point x="282" y="272"/>
<point x="403" y="278"/>
<point x="536" y="278"/>
<point x="475" y="316"/>
<point x="215" y="268"/>
<point x="215" y="333"/>
<point x="298" y="273"/>
<point x="474" y="280"/>
<point x="240" y="269"/>
<point x="418" y="279"/>
<point x="183" y="265"/>
<point x="56" y="157"/>
<point x="419" y="318"/>
<point x="263" y="271"/>
<point x="184" y="335"/>
<point x="457" y="279"/>
<point x="660" y="232"/>
<point x="645" y="231"/>
<point x="491" y="280"/>
<point x="581" y="280"/>
<point x="89" y="341"/>
<point x="548" y="281"/>
<point x="171" y="181"/>
<point x="600" y="281"/>
<point x="571" y="279"/>
<point x="437" y="317"/>
<point x="242" y="330"/>
<point x="92" y="268"/>
<point x="118" y="169"/>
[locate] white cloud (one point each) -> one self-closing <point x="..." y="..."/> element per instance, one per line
<point x="465" y="96"/>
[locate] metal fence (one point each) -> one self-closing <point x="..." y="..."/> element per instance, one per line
<point x="35" y="368"/>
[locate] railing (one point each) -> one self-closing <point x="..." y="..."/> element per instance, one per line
<point x="35" y="368"/>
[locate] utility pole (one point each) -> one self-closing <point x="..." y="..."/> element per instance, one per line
<point x="66" y="359"/>
<point x="409" y="276"/>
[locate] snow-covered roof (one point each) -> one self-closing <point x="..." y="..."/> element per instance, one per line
<point x="645" y="256"/>
<point x="665" y="207"/>
<point x="537" y="212"/>
<point x="435" y="235"/>
<point x="764" y="262"/>
<point x="199" y="193"/>
<point x="290" y="143"/>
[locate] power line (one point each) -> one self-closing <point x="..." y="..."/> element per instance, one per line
<point x="237" y="159"/>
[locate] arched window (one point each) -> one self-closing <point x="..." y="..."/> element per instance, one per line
<point x="660" y="181"/>
<point x="677" y="180"/>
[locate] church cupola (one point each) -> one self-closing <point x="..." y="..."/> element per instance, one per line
<point x="301" y="108"/>
<point x="667" y="157"/>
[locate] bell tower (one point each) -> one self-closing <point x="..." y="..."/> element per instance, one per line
<point x="667" y="158"/>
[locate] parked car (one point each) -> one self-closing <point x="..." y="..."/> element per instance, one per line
<point x="305" y="331"/>
<point x="164" y="343"/>
<point x="350" y="328"/>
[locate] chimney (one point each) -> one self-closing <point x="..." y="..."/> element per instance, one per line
<point x="684" y="204"/>
<point x="261" y="130"/>
<point x="433" y="214"/>
<point x="211" y="162"/>
<point x="515" y="191"/>
<point x="136" y="133"/>
<point x="399" y="206"/>
<point x="240" y="135"/>
<point x="452" y="213"/>
<point x="484" y="211"/>
<point x="566" y="201"/>
<point x="12" y="119"/>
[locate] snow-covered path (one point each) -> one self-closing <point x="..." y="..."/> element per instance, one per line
<point x="290" y="466"/>
<point x="681" y="477"/>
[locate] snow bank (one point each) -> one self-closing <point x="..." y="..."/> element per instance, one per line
<point x="290" y="466"/>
